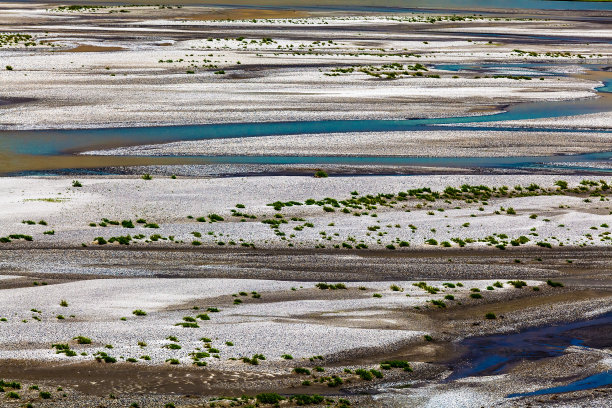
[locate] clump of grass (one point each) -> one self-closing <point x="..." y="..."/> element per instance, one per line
<point x="64" y="349"/>
<point x="386" y="365"/>
<point x="44" y="395"/>
<point x="127" y="224"/>
<point x="82" y="340"/>
<point x="253" y="360"/>
<point x="315" y="399"/>
<point x="63" y="303"/>
<point x="554" y="284"/>
<point x="368" y="375"/>
<point x="518" y="284"/>
<point x="438" y="303"/>
<point x="301" y="370"/>
<point x="139" y="312"/>
<point x="331" y="286"/>
<point x="189" y="325"/>
<point x="269" y="398"/>
<point x="430" y="289"/>
<point x="490" y="316"/>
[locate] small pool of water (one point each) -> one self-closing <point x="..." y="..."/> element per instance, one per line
<point x="497" y="354"/>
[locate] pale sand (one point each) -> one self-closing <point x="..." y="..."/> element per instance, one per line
<point x="168" y="202"/>
<point x="602" y="120"/>
<point x="254" y="327"/>
<point x="441" y="143"/>
<point x="75" y="89"/>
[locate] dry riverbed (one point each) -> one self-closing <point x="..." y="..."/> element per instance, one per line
<point x="208" y="290"/>
<point x="172" y="289"/>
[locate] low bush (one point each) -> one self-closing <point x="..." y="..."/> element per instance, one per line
<point x="269" y="398"/>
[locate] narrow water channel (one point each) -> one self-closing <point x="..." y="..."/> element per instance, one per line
<point x="58" y="146"/>
<point x="497" y="354"/>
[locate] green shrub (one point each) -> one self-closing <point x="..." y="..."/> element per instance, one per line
<point x="301" y="399"/>
<point x="127" y="224"/>
<point x="188" y="325"/>
<point x="364" y="374"/>
<point x="554" y="284"/>
<point x="139" y="312"/>
<point x="490" y="316"/>
<point x="518" y="284"/>
<point x="321" y="174"/>
<point x="269" y="398"/>
<point x="82" y="340"/>
<point x="396" y="364"/>
<point x="376" y="373"/>
<point x="215" y="217"/>
<point x="301" y="370"/>
<point x="438" y="303"/>
<point x="331" y="286"/>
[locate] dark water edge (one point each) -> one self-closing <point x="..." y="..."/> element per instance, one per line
<point x="593" y="381"/>
<point x="497" y="354"/>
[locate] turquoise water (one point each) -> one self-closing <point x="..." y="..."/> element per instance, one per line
<point x="58" y="142"/>
<point x="64" y="143"/>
